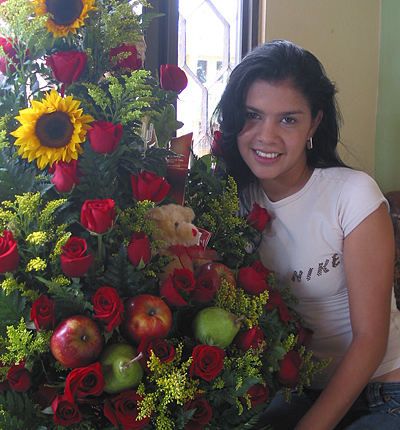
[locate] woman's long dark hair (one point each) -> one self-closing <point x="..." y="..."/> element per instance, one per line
<point x="273" y="62"/>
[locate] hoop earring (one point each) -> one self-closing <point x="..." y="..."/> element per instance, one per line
<point x="309" y="143"/>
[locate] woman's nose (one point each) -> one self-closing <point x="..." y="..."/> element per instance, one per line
<point x="267" y="131"/>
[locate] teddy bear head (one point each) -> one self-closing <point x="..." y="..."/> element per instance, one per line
<point x="175" y="223"/>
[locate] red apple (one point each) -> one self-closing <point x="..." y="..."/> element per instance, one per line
<point x="223" y="271"/>
<point x="146" y="316"/>
<point x="76" y="342"/>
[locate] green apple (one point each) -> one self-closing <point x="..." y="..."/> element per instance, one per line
<point x="120" y="367"/>
<point x="216" y="326"/>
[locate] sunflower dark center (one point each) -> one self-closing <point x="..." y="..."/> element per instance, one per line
<point x="54" y="130"/>
<point x="64" y="12"/>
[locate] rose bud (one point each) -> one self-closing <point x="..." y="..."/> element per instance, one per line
<point x="206" y="287"/>
<point x="65" y="175"/>
<point x="288" y="374"/>
<point x="83" y="382"/>
<point x="9" y="256"/>
<point x="42" y="313"/>
<point x="74" y="262"/>
<point x="258" y="393"/>
<point x="261" y="270"/>
<point x="138" y="250"/>
<point x="251" y="338"/>
<point x="162" y="349"/>
<point x="258" y="217"/>
<point x="172" y="78"/>
<point x="67" y="66"/>
<point x="108" y="307"/>
<point x="181" y="280"/>
<point x="216" y="144"/>
<point x="10" y="59"/>
<point x="275" y="300"/>
<point x="251" y="281"/>
<point x="208" y="361"/>
<point x="304" y="336"/>
<point x="104" y="136"/>
<point x="98" y="216"/>
<point x="123" y="410"/>
<point x="65" y="412"/>
<point x="130" y="63"/>
<point x="44" y="396"/>
<point x="202" y="413"/>
<point x="149" y="186"/>
<point x="19" y="377"/>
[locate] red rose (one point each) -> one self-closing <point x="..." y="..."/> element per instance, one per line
<point x="10" y="60"/>
<point x="149" y="186"/>
<point x="259" y="393"/>
<point x="19" y="378"/>
<point x="98" y="216"/>
<point x="9" y="257"/>
<point x="84" y="381"/>
<point x="216" y="144"/>
<point x="202" y="413"/>
<point x="161" y="349"/>
<point x="139" y="249"/>
<point x="45" y="396"/>
<point x="180" y="281"/>
<point x="108" y="307"/>
<point x="288" y="374"/>
<point x="42" y="313"/>
<point x="261" y="270"/>
<point x="275" y="300"/>
<point x="74" y="262"/>
<point x="129" y="59"/>
<point x="251" y="338"/>
<point x="206" y="287"/>
<point x="104" y="136"/>
<point x="208" y="361"/>
<point x="251" y="281"/>
<point x="67" y="66"/>
<point x="65" y="175"/>
<point x="123" y="410"/>
<point x="304" y="336"/>
<point x="172" y="78"/>
<point x="258" y="217"/>
<point x="65" y="412"/>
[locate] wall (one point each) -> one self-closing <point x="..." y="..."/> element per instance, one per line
<point x="344" y="36"/>
<point x="387" y="146"/>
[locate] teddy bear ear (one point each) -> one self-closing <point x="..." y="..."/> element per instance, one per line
<point x="155" y="214"/>
<point x="189" y="214"/>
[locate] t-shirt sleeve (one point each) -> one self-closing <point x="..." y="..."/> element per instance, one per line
<point x="359" y="197"/>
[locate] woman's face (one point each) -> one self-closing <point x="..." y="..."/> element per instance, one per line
<point x="278" y="124"/>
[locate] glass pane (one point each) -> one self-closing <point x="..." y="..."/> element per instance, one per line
<point x="207" y="40"/>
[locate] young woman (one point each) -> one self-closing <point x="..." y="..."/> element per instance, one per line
<point x="330" y="238"/>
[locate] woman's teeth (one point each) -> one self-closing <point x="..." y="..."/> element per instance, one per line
<point x="267" y="154"/>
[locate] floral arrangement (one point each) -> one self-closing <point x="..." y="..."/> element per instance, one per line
<point x="90" y="336"/>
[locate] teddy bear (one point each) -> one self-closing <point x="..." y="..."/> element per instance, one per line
<point x="176" y="228"/>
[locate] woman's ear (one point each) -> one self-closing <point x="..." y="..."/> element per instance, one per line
<point x="316" y="121"/>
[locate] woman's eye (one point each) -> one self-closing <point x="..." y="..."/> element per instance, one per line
<point x="288" y="120"/>
<point x="252" y="115"/>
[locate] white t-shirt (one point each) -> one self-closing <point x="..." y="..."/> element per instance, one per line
<point x="304" y="246"/>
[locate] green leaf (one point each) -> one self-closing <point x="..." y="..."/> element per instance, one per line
<point x="12" y="307"/>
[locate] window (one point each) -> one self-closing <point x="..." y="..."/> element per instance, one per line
<point x="206" y="38"/>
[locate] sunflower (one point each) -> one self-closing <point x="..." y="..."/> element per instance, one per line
<point x="65" y="15"/>
<point x="51" y="130"/>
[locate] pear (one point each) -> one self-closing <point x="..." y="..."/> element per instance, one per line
<point x="120" y="367"/>
<point x="216" y="326"/>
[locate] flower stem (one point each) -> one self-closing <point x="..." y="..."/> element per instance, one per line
<point x="99" y="245"/>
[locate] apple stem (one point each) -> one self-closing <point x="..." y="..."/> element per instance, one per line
<point x="239" y="320"/>
<point x="138" y="357"/>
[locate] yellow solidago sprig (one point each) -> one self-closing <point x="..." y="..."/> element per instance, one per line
<point x="235" y="300"/>
<point x="172" y="385"/>
<point x="22" y="344"/>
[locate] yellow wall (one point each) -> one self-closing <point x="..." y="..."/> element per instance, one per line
<point x="344" y="36"/>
